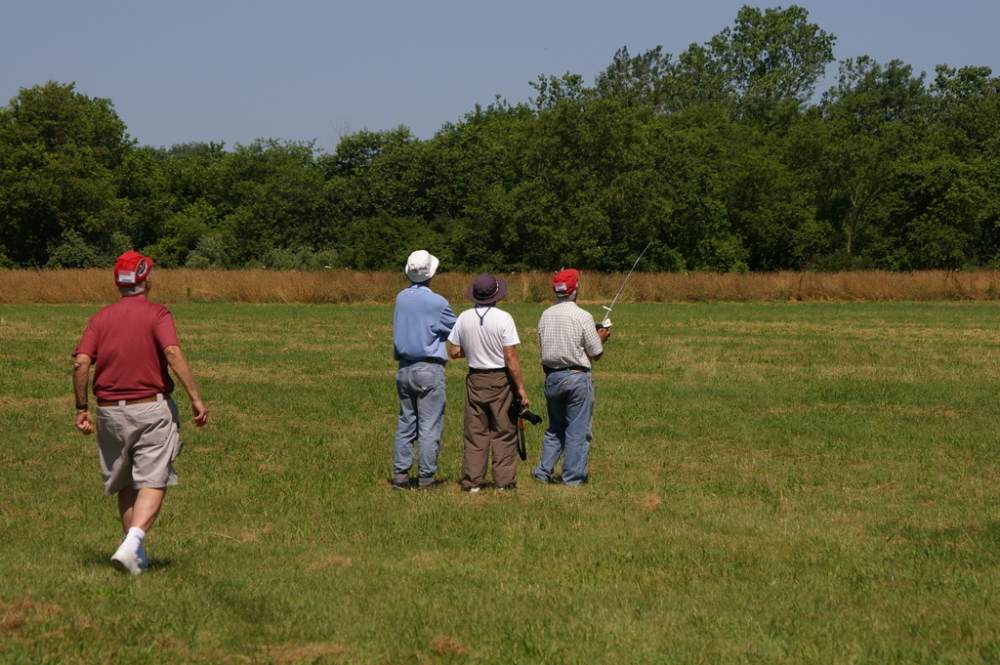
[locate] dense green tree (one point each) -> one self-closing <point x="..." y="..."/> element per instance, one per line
<point x="716" y="159"/>
<point x="390" y="179"/>
<point x="555" y="89"/>
<point x="469" y="156"/>
<point x="384" y="242"/>
<point x="687" y="206"/>
<point x="772" y="56"/>
<point x="655" y="80"/>
<point x="936" y="210"/>
<point x="182" y="231"/>
<point x="553" y="202"/>
<point x="58" y="154"/>
<point x="766" y="193"/>
<point x="272" y="198"/>
<point x="641" y="79"/>
<point x="875" y="114"/>
<point x="357" y="152"/>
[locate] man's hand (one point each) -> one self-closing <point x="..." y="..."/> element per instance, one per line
<point x="200" y="412"/>
<point x="81" y="380"/>
<point x="522" y="397"/>
<point x="179" y="364"/>
<point x="514" y="371"/>
<point x="604" y="334"/>
<point x="84" y="422"/>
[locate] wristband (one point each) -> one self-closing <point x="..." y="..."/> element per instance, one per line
<point x="82" y="407"/>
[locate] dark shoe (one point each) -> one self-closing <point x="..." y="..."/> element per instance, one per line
<point x="400" y="481"/>
<point x="427" y="483"/>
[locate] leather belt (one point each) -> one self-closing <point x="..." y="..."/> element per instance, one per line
<point x="574" y="368"/>
<point x="486" y="370"/>
<point x="434" y="361"/>
<point x="127" y="402"/>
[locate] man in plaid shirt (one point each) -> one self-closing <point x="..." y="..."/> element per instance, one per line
<point x="570" y="343"/>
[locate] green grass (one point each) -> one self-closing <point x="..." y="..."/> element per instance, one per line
<point x="770" y="484"/>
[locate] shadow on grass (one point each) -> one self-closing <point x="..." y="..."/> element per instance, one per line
<point x="962" y="540"/>
<point x="92" y="558"/>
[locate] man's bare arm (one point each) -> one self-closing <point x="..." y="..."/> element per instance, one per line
<point x="81" y="381"/>
<point x="179" y="364"/>
<point x="455" y="351"/>
<point x="514" y="368"/>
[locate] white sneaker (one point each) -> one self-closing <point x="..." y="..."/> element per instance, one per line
<point x="473" y="490"/>
<point x="125" y="560"/>
<point x="143" y="559"/>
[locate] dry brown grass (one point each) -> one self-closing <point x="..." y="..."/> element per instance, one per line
<point x="446" y="645"/>
<point x="293" y="654"/>
<point x="18" y="614"/>
<point x="344" y="286"/>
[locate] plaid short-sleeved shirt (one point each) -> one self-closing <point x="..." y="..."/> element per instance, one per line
<point x="567" y="336"/>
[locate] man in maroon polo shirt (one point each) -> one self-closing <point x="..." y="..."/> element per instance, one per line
<point x="131" y="343"/>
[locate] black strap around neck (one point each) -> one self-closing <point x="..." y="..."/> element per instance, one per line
<point x="483" y="315"/>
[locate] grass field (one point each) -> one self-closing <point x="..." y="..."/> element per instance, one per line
<point x="771" y="483"/>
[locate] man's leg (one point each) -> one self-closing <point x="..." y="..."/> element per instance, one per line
<point x="476" y="434"/>
<point x="579" y="414"/>
<point x="504" y="439"/>
<point x="555" y="434"/>
<point x="152" y="455"/>
<point x="429" y="379"/>
<point x="406" y="430"/>
<point x="138" y="509"/>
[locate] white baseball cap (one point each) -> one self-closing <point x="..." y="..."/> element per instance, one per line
<point x="421" y="266"/>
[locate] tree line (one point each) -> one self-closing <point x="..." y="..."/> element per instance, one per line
<point x="721" y="158"/>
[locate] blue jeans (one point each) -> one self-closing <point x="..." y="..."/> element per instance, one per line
<point x="421" y="388"/>
<point x="570" y="399"/>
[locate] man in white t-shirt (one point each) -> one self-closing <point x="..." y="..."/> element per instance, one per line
<point x="494" y="389"/>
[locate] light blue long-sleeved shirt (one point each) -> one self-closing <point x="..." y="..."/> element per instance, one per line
<point x="420" y="325"/>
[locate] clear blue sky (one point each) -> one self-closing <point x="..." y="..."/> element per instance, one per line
<point x="301" y="70"/>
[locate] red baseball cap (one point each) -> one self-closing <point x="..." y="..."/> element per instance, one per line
<point x="132" y="269"/>
<point x="564" y="283"/>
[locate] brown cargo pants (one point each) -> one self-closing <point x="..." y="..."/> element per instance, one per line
<point x="490" y="424"/>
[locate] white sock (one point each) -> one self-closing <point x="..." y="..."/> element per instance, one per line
<point x="133" y="539"/>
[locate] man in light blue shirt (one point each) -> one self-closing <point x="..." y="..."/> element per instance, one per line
<point x="420" y="325"/>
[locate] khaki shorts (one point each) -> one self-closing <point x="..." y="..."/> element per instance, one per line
<point x="138" y="444"/>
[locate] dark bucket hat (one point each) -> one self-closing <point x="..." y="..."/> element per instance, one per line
<point x="486" y="290"/>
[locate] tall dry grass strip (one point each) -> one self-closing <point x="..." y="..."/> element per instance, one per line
<point x="344" y="286"/>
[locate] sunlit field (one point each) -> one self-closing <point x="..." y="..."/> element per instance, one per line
<point x="18" y="287"/>
<point x="771" y="482"/>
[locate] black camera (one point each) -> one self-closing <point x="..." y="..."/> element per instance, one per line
<point x="532" y="418"/>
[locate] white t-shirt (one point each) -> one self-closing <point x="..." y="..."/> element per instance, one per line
<point x="482" y="332"/>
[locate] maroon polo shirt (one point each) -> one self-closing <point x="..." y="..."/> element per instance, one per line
<point x="126" y="342"/>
